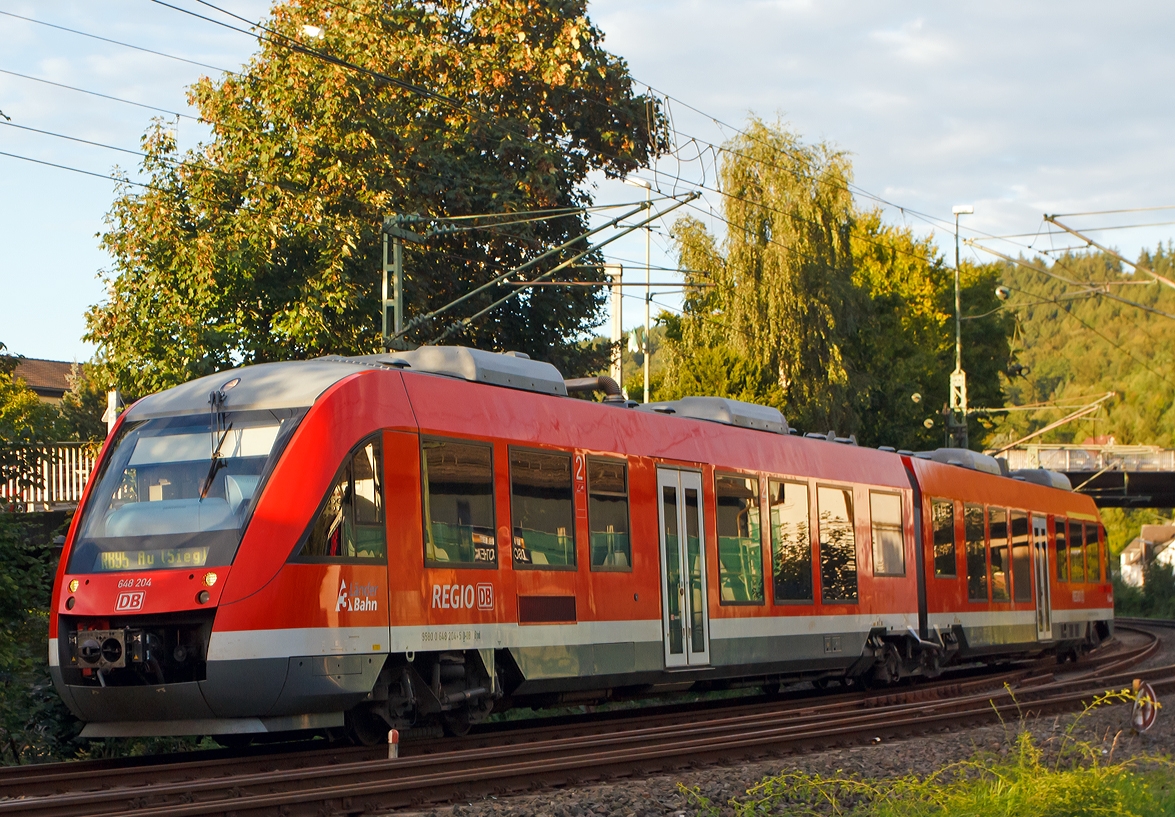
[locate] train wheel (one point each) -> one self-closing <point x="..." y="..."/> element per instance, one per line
<point x="364" y="728"/>
<point x="456" y="722"/>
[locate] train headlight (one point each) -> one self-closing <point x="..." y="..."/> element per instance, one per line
<point x="202" y="597"/>
<point x="209" y="579"/>
<point x="70" y="602"/>
<point x="73" y="586"/>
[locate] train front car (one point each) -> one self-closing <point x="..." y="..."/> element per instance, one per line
<point x="200" y="495"/>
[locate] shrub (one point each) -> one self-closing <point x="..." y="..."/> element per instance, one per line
<point x="1078" y="781"/>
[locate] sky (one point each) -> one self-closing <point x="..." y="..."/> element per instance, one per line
<point x="1019" y="109"/>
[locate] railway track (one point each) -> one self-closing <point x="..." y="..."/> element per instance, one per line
<point x="356" y="781"/>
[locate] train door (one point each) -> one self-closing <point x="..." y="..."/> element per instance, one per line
<point x="683" y="568"/>
<point x="1044" y="602"/>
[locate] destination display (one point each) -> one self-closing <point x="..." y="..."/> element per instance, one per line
<point x="111" y="561"/>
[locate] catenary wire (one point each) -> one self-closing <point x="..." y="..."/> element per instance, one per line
<point x="1104" y="337"/>
<point x="288" y="42"/>
<point x="117" y="42"/>
<point x="97" y="94"/>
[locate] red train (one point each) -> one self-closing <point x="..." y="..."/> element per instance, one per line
<point x="354" y="543"/>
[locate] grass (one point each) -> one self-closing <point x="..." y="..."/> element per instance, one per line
<point x="1074" y="779"/>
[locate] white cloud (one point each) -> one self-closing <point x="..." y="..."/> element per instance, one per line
<point x="1020" y="108"/>
<point x="914" y="43"/>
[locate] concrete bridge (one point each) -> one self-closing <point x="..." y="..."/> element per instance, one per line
<point x="1116" y="476"/>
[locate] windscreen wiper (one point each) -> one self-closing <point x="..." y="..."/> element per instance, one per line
<point x="216" y="464"/>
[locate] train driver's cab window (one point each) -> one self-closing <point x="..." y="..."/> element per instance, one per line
<point x="976" y="546"/>
<point x="543" y="510"/>
<point x="1021" y="557"/>
<point x="942" y="517"/>
<point x="458" y="481"/>
<point x="1077" y="553"/>
<point x="838" y="545"/>
<point x="885" y="516"/>
<point x="1001" y="564"/>
<point x="1093" y="567"/>
<point x="740" y="543"/>
<point x="608" y="514"/>
<point x="350" y="525"/>
<point x="791" y="541"/>
<point x="1061" y="536"/>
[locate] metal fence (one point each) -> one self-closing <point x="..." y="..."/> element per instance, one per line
<point x="1092" y="458"/>
<point x="49" y="477"/>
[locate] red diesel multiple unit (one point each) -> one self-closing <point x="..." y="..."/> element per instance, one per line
<point x="429" y="536"/>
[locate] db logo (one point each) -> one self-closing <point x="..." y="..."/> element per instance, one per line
<point x="485" y="597"/>
<point x="129" y="602"/>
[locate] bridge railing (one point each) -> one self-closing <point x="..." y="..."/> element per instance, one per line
<point x="48" y="477"/>
<point x="1092" y="458"/>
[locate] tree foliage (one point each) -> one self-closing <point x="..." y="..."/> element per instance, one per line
<point x="1079" y="344"/>
<point x="34" y="723"/>
<point x="820" y="309"/>
<point x="263" y="243"/>
<point x="24" y="422"/>
<point x="781" y="295"/>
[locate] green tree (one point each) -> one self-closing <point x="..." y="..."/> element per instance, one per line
<point x="24" y="421"/>
<point x="34" y="723"/>
<point x="1079" y="344"/>
<point x="904" y="344"/>
<point x="263" y="244"/>
<point x="822" y="310"/>
<point x="782" y="294"/>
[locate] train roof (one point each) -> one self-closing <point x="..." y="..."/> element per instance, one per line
<point x="298" y="384"/>
<point x="290" y="384"/>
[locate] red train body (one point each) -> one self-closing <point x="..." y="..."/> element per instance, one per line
<point x="393" y="540"/>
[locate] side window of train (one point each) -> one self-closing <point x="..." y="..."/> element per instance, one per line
<point x="838" y="545"/>
<point x="1093" y="566"/>
<point x="976" y="546"/>
<point x="543" y="510"/>
<point x="1021" y="557"/>
<point x="740" y="542"/>
<point x="350" y="525"/>
<point x="885" y="519"/>
<point x="942" y="516"/>
<point x="607" y="482"/>
<point x="791" y="541"/>
<point x="1001" y="565"/>
<point x="458" y="495"/>
<point x="1061" y="534"/>
<point x="1077" y="553"/>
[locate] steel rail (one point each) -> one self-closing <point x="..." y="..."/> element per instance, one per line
<point x="53" y="778"/>
<point x="437" y="777"/>
<point x="488" y="774"/>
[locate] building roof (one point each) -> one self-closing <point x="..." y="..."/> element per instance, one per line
<point x="1157" y="534"/>
<point x="47" y="378"/>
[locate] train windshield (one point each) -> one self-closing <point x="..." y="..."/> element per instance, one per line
<point x="175" y="492"/>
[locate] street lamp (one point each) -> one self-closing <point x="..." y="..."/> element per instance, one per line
<point x="957" y="419"/>
<point x="648" y="292"/>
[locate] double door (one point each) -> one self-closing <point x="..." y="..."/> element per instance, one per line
<point x="683" y="568"/>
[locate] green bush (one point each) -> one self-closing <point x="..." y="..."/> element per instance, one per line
<point x="1077" y="782"/>
<point x="1155" y="599"/>
<point x="34" y="723"/>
